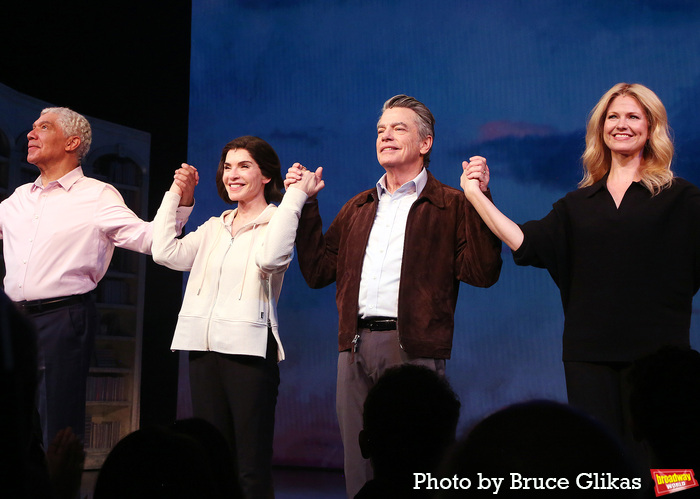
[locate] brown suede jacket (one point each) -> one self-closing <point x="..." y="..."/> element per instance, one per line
<point x="446" y="242"/>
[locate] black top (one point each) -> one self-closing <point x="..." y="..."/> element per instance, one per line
<point x="626" y="275"/>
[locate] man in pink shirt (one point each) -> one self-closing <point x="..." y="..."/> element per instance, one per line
<point x="59" y="235"/>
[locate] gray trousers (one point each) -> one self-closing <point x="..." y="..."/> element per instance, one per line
<point x="357" y="373"/>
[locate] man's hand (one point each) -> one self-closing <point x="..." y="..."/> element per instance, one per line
<point x="185" y="179"/>
<point x="475" y="175"/>
<point x="298" y="177"/>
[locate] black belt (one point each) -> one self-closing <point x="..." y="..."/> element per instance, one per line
<point x="32" y="307"/>
<point x="377" y="323"/>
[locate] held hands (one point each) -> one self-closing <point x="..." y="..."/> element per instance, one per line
<point x="298" y="177"/>
<point x="475" y="176"/>
<point x="184" y="181"/>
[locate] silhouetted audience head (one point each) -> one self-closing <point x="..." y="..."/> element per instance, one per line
<point x="18" y="381"/>
<point x="665" y="406"/>
<point x="409" y="420"/>
<point x="164" y="463"/>
<point x="25" y="469"/>
<point x="539" y="439"/>
<point x="18" y="368"/>
<point x="216" y="446"/>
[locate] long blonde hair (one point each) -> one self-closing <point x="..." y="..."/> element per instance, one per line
<point x="658" y="151"/>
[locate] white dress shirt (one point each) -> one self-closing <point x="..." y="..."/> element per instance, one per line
<point x="381" y="268"/>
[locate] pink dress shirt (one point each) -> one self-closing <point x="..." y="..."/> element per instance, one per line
<point x="59" y="239"/>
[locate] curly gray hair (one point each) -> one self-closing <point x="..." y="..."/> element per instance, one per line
<point x="73" y="124"/>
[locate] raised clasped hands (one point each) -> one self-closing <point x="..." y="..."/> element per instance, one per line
<point x="298" y="177"/>
<point x="185" y="180"/>
<point x="475" y="175"/>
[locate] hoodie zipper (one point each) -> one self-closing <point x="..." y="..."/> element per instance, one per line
<point x="221" y="268"/>
<point x="216" y="294"/>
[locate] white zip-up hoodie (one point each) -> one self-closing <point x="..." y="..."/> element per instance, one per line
<point x="234" y="282"/>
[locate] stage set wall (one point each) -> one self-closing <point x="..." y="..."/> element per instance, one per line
<point x="509" y="80"/>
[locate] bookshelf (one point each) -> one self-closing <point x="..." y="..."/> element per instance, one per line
<point x="113" y="394"/>
<point x="120" y="156"/>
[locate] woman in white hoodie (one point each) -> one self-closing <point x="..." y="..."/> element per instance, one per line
<point x="228" y="320"/>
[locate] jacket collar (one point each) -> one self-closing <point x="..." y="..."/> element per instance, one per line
<point x="418" y="183"/>
<point x="432" y="192"/>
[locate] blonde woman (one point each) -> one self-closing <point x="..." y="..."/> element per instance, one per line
<point x="623" y="249"/>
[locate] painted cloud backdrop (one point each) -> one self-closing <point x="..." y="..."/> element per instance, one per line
<point x="510" y="80"/>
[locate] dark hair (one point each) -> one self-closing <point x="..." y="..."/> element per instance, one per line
<point x="266" y="158"/>
<point x="425" y="121"/>
<point x="538" y="438"/>
<point x="21" y="459"/>
<point x="157" y="462"/>
<point x="409" y="419"/>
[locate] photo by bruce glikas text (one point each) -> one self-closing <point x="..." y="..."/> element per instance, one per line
<point x="515" y="481"/>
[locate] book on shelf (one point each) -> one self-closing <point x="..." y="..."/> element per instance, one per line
<point x="105" y="357"/>
<point x="102" y="435"/>
<point x="106" y="389"/>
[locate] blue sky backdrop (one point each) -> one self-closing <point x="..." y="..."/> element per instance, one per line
<point x="510" y="80"/>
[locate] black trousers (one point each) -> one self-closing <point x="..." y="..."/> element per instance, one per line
<point x="66" y="340"/>
<point x="238" y="395"/>
<point x="602" y="390"/>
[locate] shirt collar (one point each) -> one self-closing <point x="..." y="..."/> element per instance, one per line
<point x="603" y="184"/>
<point x="598" y="185"/>
<point x="418" y="182"/>
<point x="65" y="181"/>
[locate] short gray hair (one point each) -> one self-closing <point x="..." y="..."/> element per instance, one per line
<point x="425" y="119"/>
<point x="73" y="124"/>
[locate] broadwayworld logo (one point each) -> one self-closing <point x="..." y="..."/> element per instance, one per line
<point x="669" y="481"/>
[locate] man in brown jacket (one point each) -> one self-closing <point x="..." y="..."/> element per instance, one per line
<point x="397" y="253"/>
